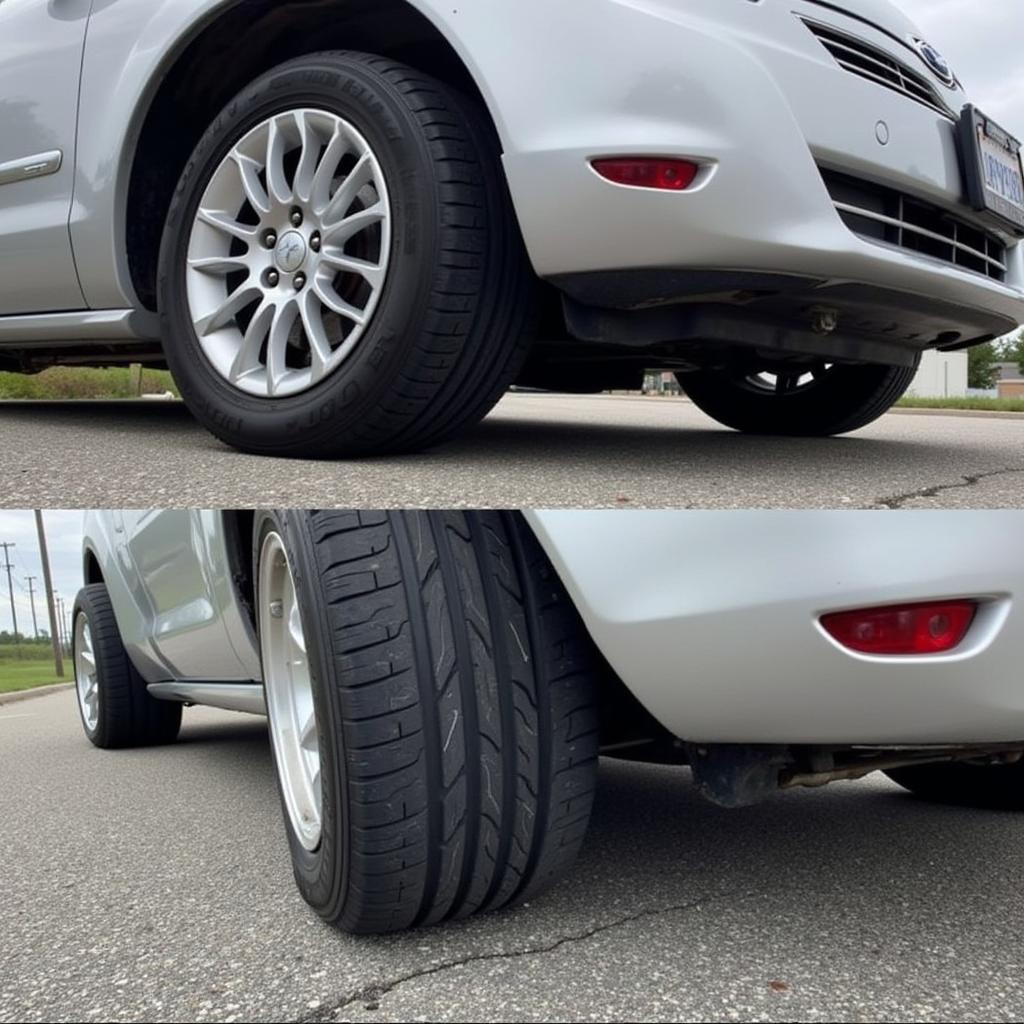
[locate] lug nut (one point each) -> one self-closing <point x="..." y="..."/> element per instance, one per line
<point x="270" y="239"/>
<point x="314" y="242"/>
<point x="299" y="282"/>
<point x="296" y="218"/>
<point x="276" y="609"/>
<point x="272" y="278"/>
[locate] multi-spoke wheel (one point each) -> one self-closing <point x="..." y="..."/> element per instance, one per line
<point x="813" y="398"/>
<point x="86" y="681"/>
<point x="289" y="252"/>
<point x="115" y="707"/>
<point x="431" y="697"/>
<point x="341" y="272"/>
<point x="289" y="693"/>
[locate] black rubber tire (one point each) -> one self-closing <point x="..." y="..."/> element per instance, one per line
<point x="453" y="686"/>
<point x="999" y="787"/>
<point x="846" y="399"/>
<point x="127" y="715"/>
<point x="454" y="321"/>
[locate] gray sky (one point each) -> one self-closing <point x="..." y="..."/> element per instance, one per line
<point x="64" y="539"/>
<point x="984" y="42"/>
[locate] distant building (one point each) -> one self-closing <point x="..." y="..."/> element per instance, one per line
<point x="942" y="375"/>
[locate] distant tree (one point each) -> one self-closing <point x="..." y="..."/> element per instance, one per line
<point x="1013" y="351"/>
<point x="982" y="371"/>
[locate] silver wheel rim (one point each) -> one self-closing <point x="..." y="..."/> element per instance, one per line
<point x="86" y="682"/>
<point x="289" y="693"/>
<point x="289" y="253"/>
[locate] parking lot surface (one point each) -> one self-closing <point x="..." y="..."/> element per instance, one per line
<point x="156" y="885"/>
<point x="534" y="451"/>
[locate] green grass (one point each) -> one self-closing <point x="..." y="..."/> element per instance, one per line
<point x="35" y="668"/>
<point x="984" y="404"/>
<point x="63" y="382"/>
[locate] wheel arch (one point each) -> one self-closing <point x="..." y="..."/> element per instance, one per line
<point x="196" y="79"/>
<point x="91" y="571"/>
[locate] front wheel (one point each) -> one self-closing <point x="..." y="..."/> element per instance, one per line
<point x="341" y="272"/>
<point x="1000" y="787"/>
<point x="430" y="694"/>
<point x="802" y="400"/>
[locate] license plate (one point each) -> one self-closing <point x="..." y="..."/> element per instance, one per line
<point x="995" y="174"/>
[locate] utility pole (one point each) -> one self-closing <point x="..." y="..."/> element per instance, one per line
<point x="60" y="620"/>
<point x="32" y="599"/>
<point x="10" y="588"/>
<point x="58" y="657"/>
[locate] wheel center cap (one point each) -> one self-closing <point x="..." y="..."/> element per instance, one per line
<point x="290" y="252"/>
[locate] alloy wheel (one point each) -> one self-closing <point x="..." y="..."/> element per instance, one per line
<point x="289" y="693"/>
<point x="289" y="253"/>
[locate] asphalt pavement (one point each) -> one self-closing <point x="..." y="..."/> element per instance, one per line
<point x="156" y="885"/>
<point x="535" y="450"/>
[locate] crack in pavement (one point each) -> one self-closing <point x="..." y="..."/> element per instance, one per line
<point x="371" y="995"/>
<point x="897" y="501"/>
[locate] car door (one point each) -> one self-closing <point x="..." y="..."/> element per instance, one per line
<point x="41" y="43"/>
<point x="177" y="565"/>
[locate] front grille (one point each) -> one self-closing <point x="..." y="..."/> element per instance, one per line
<point x="881" y="214"/>
<point x="870" y="62"/>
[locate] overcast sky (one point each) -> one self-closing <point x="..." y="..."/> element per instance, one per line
<point x="984" y="42"/>
<point x="64" y="539"/>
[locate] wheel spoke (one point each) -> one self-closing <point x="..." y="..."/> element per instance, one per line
<point x="249" y="172"/>
<point x="337" y="148"/>
<point x="277" y="345"/>
<point x="313" y="324"/>
<point x="277" y="181"/>
<point x="219" y="266"/>
<point x="87" y="657"/>
<point x="228" y="309"/>
<point x="373" y="273"/>
<point x="306" y="170"/>
<point x="333" y="301"/>
<point x="307" y="731"/>
<point x="247" y="360"/>
<point x="358" y="178"/>
<point x="226" y="224"/>
<point x="349" y="227"/>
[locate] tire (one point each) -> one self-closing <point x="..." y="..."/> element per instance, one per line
<point x="451" y="328"/>
<point x="452" y="685"/>
<point x="999" y="787"/>
<point x="126" y="715"/>
<point x="844" y="399"/>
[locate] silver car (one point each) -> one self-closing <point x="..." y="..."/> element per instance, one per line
<point x="439" y="685"/>
<point x="349" y="227"/>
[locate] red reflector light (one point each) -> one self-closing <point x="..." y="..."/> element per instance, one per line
<point x="667" y="175"/>
<point x="903" y="629"/>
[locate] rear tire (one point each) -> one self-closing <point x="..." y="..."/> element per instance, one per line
<point x="999" y="787"/>
<point x="453" y="691"/>
<point x="845" y="399"/>
<point x="119" y="711"/>
<point x="451" y="325"/>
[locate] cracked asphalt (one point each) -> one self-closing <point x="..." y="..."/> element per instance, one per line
<point x="155" y="885"/>
<point x="534" y="451"/>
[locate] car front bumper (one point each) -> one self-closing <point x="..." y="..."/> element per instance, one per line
<point x="747" y="89"/>
<point x="712" y="620"/>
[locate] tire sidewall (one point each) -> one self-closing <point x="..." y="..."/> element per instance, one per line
<point x="83" y="606"/>
<point x="348" y="395"/>
<point x="321" y="874"/>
